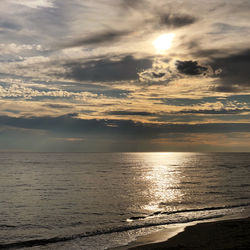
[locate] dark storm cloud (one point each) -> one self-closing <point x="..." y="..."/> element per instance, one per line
<point x="105" y="70"/>
<point x="190" y="68"/>
<point x="105" y="37"/>
<point x="70" y="124"/>
<point x="177" y="20"/>
<point x="230" y="67"/>
<point x="131" y="113"/>
<point x="235" y="71"/>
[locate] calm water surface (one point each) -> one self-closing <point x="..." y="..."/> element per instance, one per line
<point x="102" y="200"/>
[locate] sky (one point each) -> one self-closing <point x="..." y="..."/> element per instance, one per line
<point x="89" y="76"/>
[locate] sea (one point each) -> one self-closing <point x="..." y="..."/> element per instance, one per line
<point x="106" y="200"/>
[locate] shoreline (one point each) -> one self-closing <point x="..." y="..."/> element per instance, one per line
<point x="220" y="234"/>
<point x="224" y="233"/>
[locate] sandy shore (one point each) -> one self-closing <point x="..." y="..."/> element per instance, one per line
<point x="228" y="234"/>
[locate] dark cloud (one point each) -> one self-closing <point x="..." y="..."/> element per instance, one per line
<point x="132" y="3"/>
<point x="187" y="101"/>
<point x="158" y="75"/>
<point x="71" y="125"/>
<point x="105" y="70"/>
<point x="235" y="71"/>
<point x="105" y="37"/>
<point x="131" y="113"/>
<point x="190" y="68"/>
<point x="230" y="67"/>
<point x="177" y="20"/>
<point x="161" y="18"/>
<point x="197" y="52"/>
<point x="9" y="25"/>
<point x="58" y="106"/>
<point x="226" y="89"/>
<point x="214" y="112"/>
<point x="221" y="28"/>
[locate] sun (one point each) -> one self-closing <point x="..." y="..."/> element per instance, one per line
<point x="163" y="42"/>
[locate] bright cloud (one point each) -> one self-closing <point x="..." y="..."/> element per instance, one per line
<point x="35" y="3"/>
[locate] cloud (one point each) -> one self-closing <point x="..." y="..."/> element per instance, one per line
<point x="104" y="37"/>
<point x="6" y="25"/>
<point x="161" y="72"/>
<point x="13" y="48"/>
<point x="35" y="3"/>
<point x="177" y="20"/>
<point x="235" y="73"/>
<point x="105" y="70"/>
<point x="227" y="28"/>
<point x="70" y="139"/>
<point x="190" y="68"/>
<point x="226" y="89"/>
<point x="73" y="125"/>
<point x="58" y="106"/>
<point x="132" y="3"/>
<point x="163" y="18"/>
<point x="19" y="133"/>
<point x="158" y="75"/>
<point x="19" y="91"/>
<point x="131" y="113"/>
<point x="108" y="68"/>
<point x="214" y="112"/>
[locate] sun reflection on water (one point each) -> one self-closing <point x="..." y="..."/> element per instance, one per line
<point x="163" y="178"/>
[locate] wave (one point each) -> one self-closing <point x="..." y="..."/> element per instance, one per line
<point x="25" y="226"/>
<point x="42" y="242"/>
<point x="188" y="211"/>
<point x="7" y="226"/>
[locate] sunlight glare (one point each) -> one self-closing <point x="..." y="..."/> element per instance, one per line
<point x="163" y="42"/>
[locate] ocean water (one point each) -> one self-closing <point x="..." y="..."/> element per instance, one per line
<point x="103" y="200"/>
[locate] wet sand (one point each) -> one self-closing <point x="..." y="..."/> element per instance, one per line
<point x="228" y="234"/>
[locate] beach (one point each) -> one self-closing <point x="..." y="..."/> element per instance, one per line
<point x="226" y="234"/>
